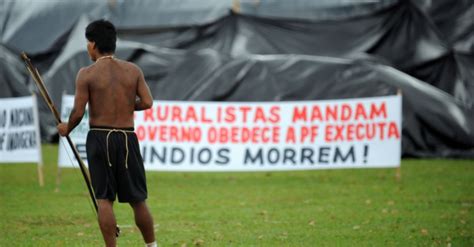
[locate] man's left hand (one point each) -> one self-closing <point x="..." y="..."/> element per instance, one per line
<point x="62" y="129"/>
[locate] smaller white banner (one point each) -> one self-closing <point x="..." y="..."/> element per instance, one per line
<point x="19" y="130"/>
<point x="78" y="135"/>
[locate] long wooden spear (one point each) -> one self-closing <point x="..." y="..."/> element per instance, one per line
<point x="44" y="93"/>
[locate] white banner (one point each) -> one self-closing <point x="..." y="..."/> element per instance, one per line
<point x="78" y="136"/>
<point x="265" y="136"/>
<point x="19" y="130"/>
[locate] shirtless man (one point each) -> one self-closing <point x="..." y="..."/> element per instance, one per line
<point x="114" y="89"/>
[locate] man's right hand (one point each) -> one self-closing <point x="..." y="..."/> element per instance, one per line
<point x="62" y="129"/>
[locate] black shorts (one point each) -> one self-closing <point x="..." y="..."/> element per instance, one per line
<point x="128" y="181"/>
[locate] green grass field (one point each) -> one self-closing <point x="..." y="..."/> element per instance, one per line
<point x="432" y="205"/>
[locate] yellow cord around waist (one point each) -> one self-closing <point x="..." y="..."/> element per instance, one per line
<point x="110" y="131"/>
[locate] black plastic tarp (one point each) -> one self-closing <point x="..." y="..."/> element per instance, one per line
<point x="56" y="17"/>
<point x="401" y="36"/>
<point x="453" y="20"/>
<point x="13" y="77"/>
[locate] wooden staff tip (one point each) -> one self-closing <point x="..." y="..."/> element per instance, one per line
<point x="24" y="56"/>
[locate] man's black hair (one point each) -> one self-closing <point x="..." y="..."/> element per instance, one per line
<point x="104" y="35"/>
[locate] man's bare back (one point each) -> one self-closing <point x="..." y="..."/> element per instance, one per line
<point x="111" y="87"/>
<point x="112" y="90"/>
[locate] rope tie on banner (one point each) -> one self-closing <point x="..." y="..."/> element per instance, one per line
<point x="110" y="131"/>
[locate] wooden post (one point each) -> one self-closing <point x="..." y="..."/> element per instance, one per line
<point x="398" y="170"/>
<point x="398" y="173"/>
<point x="112" y="3"/>
<point x="236" y="6"/>
<point x="58" y="179"/>
<point x="38" y="138"/>
<point x="40" y="171"/>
